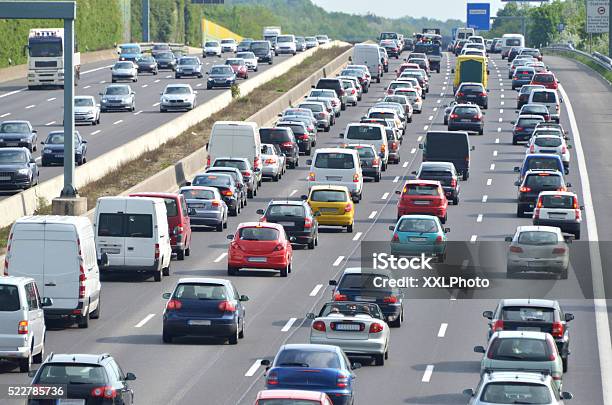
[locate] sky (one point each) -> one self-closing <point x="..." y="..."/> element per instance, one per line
<point x="439" y="9"/>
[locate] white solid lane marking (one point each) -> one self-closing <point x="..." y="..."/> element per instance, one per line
<point x="117" y="122"/>
<point x="428" y="372"/>
<point x="425" y="127"/>
<point x="5" y="115"/>
<point x="497" y="139"/>
<point x="253" y="369"/>
<point x="396" y="179"/>
<point x="502" y="89"/>
<point x="372" y="214"/>
<point x="292" y="193"/>
<point x="96" y="69"/>
<point x="138" y="112"/>
<point x="413" y="150"/>
<point x="97" y="131"/>
<point x="444" y="88"/>
<point x="604" y="342"/>
<point x="145" y="320"/>
<point x="492" y="167"/>
<point x="221" y="257"/>
<point x="51" y="99"/>
<point x="442" y="330"/>
<point x="494" y="153"/>
<point x="385" y="196"/>
<point x="479" y="218"/>
<point x="50" y="123"/>
<point x="338" y="261"/>
<point x="357" y="236"/>
<point x="86" y="87"/>
<point x="473" y="238"/>
<point x="405" y="164"/>
<point x="156" y="104"/>
<point x="10" y="93"/>
<point x="489" y="182"/>
<point x="30" y="106"/>
<point x="315" y="290"/>
<point x="288" y="325"/>
<point x="485" y="198"/>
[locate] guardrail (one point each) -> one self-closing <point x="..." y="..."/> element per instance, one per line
<point x="601" y="60"/>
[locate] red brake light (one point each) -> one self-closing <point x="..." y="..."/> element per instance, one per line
<point x="270" y="161"/>
<point x="356" y="175"/>
<point x="106" y="392"/>
<point x="376" y="328"/>
<point x="226" y="306"/>
<point x="279" y="247"/>
<point x="256" y="162"/>
<point x="483" y="94"/>
<point x="392" y="299"/>
<point x="525" y="189"/>
<point x="453" y="182"/>
<point x="536" y="213"/>
<point x="311" y="176"/>
<point x="340" y="297"/>
<point x="307" y="223"/>
<point x="227" y="193"/>
<point x="208" y="162"/>
<point x="498" y="325"/>
<point x="454" y="116"/>
<point x="439" y="240"/>
<point x="558" y="251"/>
<point x="216" y="203"/>
<point x="246" y="173"/>
<point x="395" y="237"/>
<point x="460" y="94"/>
<point x="348" y="207"/>
<point x="516" y="249"/>
<point x="342" y="380"/>
<point x="519" y="128"/>
<point x="22" y="328"/>
<point x="319" y="325"/>
<point x="375" y="162"/>
<point x="557" y="329"/>
<point x="174" y="305"/>
<point x="532" y="148"/>
<point x="286" y="144"/>
<point x="157" y="252"/>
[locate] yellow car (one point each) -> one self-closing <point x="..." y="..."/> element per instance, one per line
<point x="332" y="205"/>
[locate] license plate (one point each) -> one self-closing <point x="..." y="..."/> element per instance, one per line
<point x="71" y="402"/>
<point x="198" y="322"/>
<point x="286" y="223"/>
<point x="112" y="251"/>
<point x="418" y="239"/>
<point x="347" y="326"/>
<point x="59" y="156"/>
<point x="465" y="120"/>
<point x="369" y="299"/>
<point x="535" y="264"/>
<point x="556" y="216"/>
<point x="421" y="202"/>
<point x="333" y="178"/>
<point x="12" y="144"/>
<point x="258" y="259"/>
<point x="329" y="210"/>
<point x="196" y="206"/>
<point x="5" y="177"/>
<point x="529" y="329"/>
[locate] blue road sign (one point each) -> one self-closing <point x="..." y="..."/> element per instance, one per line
<point x="479" y="16"/>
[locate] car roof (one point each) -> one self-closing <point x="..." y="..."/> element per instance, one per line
<point x="13" y="280"/>
<point x="446" y="165"/>
<point x="536" y="228"/>
<point x="24" y="121"/>
<point x="199" y="188"/>
<point x="529" y="302"/>
<point x="310" y="347"/>
<point x="428" y="182"/>
<point x="231" y="158"/>
<point x="77" y="358"/>
<point x="297" y="203"/>
<point x="527" y="334"/>
<point x="291" y="394"/>
<point x="260" y="225"/>
<point x="335" y="187"/>
<point x="418" y="216"/>
<point x="530" y="116"/>
<point x="204" y="280"/>
<point x="155" y="195"/>
<point x="516" y="376"/>
<point x="360" y="270"/>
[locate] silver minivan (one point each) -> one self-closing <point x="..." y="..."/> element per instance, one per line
<point x="22" y="322"/>
<point x="339" y="167"/>
<point x="373" y="134"/>
<point x="550" y="99"/>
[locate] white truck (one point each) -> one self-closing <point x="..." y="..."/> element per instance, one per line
<point x="46" y="58"/>
<point x="270" y="33"/>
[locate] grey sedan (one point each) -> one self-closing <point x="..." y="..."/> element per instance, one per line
<point x="206" y="207"/>
<point x="17" y="169"/>
<point x="18" y="134"/>
<point x="177" y="97"/>
<point x="117" y="97"/>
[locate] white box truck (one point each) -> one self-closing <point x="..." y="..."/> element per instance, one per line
<point x="45" y="52"/>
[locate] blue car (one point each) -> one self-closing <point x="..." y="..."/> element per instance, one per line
<point x="53" y="149"/>
<point x="540" y="161"/>
<point x="417" y="234"/>
<point x="311" y="367"/>
<point x="220" y="76"/>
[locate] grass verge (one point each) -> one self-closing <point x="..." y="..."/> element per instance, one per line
<point x="607" y="74"/>
<point x="131" y="173"/>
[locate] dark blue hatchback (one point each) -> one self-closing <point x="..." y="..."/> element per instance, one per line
<point x="53" y="149"/>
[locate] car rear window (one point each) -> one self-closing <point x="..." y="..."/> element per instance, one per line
<point x="381" y="115"/>
<point x="313" y="107"/>
<point x="471" y="88"/>
<point x="354" y="281"/>
<point x="544" y="97"/>
<point x="307" y="358"/>
<point x="9" y="298"/>
<point x="297" y="129"/>
<point x="237" y="164"/>
<point x="543" y="163"/>
<point x="528" y="122"/>
<point x="535" y="109"/>
<point x="465" y="110"/>
<point x="509" y="392"/>
<point x="271" y="135"/>
<point x="364" y="152"/>
<point x="198" y="194"/>
<point x="278" y="401"/>
<point x="73" y="374"/>
<point x="527" y="314"/>
<point x="125" y="225"/>
<point x="286" y="211"/>
<point x="417" y="225"/>
<point x="171" y="207"/>
<point x="548" y="141"/>
<point x="557" y="201"/>
<point x="201" y="291"/>
<point x="397" y="85"/>
<point x="328" y="196"/>
<point x="212" y="180"/>
<point x="519" y="349"/>
<point x="421" y="189"/>
<point x="543" y="180"/>
<point x="543" y="78"/>
<point x="537" y="238"/>
<point x="334" y="161"/>
<point x="253" y="233"/>
<point x="364" y="132"/>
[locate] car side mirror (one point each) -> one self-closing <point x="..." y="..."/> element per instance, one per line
<point x="42" y="142"/>
<point x="244" y="298"/>
<point x="468" y="392"/>
<point x="111" y="68"/>
<point x="453" y="70"/>
<point x="568" y="185"/>
<point x="479" y="349"/>
<point x="312" y="86"/>
<point x="517" y="169"/>
<point x="310" y="315"/>
<point x="488" y="314"/>
<point x="46" y="302"/>
<point x="567" y="395"/>
<point x="34" y="131"/>
<point x="446" y="230"/>
<point x="355" y="366"/>
<point x="166" y="295"/>
<point x="292" y="239"/>
<point x="32" y="160"/>
<point x="260" y="211"/>
<point x="473" y="147"/>
<point x="421" y="146"/>
<point x="569" y="146"/>
<point x="309" y="161"/>
<point x="569" y="317"/>
<point x="517" y="183"/>
<point x="84" y="141"/>
<point x="333" y="282"/>
<point x="265" y="362"/>
<point x="508" y="239"/>
<point x="392" y="227"/>
<point x="230" y="237"/>
<point x="130" y="377"/>
<point x="398" y="192"/>
<point x="103" y="260"/>
<point x="513" y="122"/>
<point x="317" y="214"/>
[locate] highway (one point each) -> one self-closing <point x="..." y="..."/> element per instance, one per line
<point x="43" y="108"/>
<point x="431" y="359"/>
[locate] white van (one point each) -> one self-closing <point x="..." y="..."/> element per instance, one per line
<point x="550" y="98"/>
<point x="464" y="33"/>
<point x="476" y="39"/>
<point x="373" y="134"/>
<point x="511" y="40"/>
<point x="337" y="166"/>
<point x="22" y="322"/>
<point x="59" y="252"/>
<point x="133" y="233"/>
<point x="367" y="54"/>
<point x="236" y="139"/>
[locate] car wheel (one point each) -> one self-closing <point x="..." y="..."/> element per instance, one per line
<point x="308" y="151"/>
<point x="514" y="141"/>
<point x="379" y="359"/>
<point x="481" y="132"/>
<point x="397" y="322"/>
<point x="444" y="218"/>
<point x="219" y="227"/>
<point x="577" y="235"/>
<point x="349" y="228"/>
<point x="377" y="178"/>
<point x="225" y="224"/>
<point x="180" y="255"/>
<point x="96" y="313"/>
<point x="284" y="271"/>
<point x="25" y="364"/>
<point x="38" y="358"/>
<point x="241" y="333"/>
<point x="563" y="275"/>
<point x="565" y="360"/>
<point x="250" y="194"/>
<point x="275" y="177"/>
<point x="166" y="337"/>
<point x="327" y="128"/>
<point x="83" y="321"/>
<point x="232" y="271"/>
<point x="466" y="175"/>
<point x="157" y="276"/>
<point x="311" y="244"/>
<point x="456" y="200"/>
<point x="233" y="339"/>
<point x="166" y="270"/>
<point x="519" y="212"/>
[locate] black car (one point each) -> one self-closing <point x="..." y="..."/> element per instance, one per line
<point x="536" y="181"/>
<point x="297" y="219"/>
<point x="524" y="127"/>
<point x="166" y="60"/>
<point x="408" y="44"/>
<point x="333" y="84"/>
<point x="238" y="179"/>
<point x="220" y="76"/>
<point x="301" y="134"/>
<point x="227" y="187"/>
<point x="244" y="45"/>
<point x="514" y="51"/>
<point x="533" y="314"/>
<point x="53" y="150"/>
<point x="466" y="117"/>
<point x="91" y="378"/>
<point x="472" y="93"/>
<point x="391" y="47"/>
<point x="284" y="138"/>
<point x="147" y="64"/>
<point x="157" y="49"/>
<point x="263" y="50"/>
<point x="445" y="173"/>
<point x="18" y="134"/>
<point x="18" y="169"/>
<point x="370" y="161"/>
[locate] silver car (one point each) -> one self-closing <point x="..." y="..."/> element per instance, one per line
<point x="311" y="42"/>
<point x="274" y="162"/>
<point x="124" y="70"/>
<point x="358" y="328"/>
<point x="516" y="387"/>
<point x="117" y="97"/>
<point x="206" y="206"/>
<point x="331" y="95"/>
<point x="189" y="66"/>
<point x="177" y="97"/>
<point x="350" y="90"/>
<point x="538" y="249"/>
<point x="86" y="110"/>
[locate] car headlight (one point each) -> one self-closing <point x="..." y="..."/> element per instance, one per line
<point x="47" y="151"/>
<point x="164" y="100"/>
<point x="23" y="140"/>
<point x="210" y="79"/>
<point x="24" y="171"/>
<point x="103" y="101"/>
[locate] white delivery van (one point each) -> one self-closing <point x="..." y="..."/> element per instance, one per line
<point x="367" y="54"/>
<point x="133" y="233"/>
<point x="59" y="252"/>
<point x="464" y="33"/>
<point x="338" y="166"/>
<point x="236" y="139"/>
<point x="373" y="134"/>
<point x="511" y="40"/>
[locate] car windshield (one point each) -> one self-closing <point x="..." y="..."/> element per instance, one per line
<point x="194" y="194"/>
<point x="329" y="196"/>
<point x="537" y="238"/>
<point x="57" y="139"/>
<point x="421" y="189"/>
<point x="238" y="164"/>
<point x="513" y="42"/>
<point x="417" y="225"/>
<point x="519" y="349"/>
<point x="551" y="142"/>
<point x="364" y="132"/>
<point x="177" y="90"/>
<point x="161" y="47"/>
<point x="123" y="65"/>
<point x="253" y="233"/>
<point x="515" y="393"/>
<point x="396" y="85"/>
<point x="9" y="297"/>
<point x="147" y="59"/>
<point x="528" y="314"/>
<point x="83" y="102"/>
<point x="117" y="91"/>
<point x="544" y="97"/>
<point x="307" y="358"/>
<point x="171" y="207"/>
<point x="211" y="44"/>
<point x="284" y="38"/>
<point x="15" y="127"/>
<point x="227" y="41"/>
<point x="188" y="61"/>
<point x="212" y="180"/>
<point x="165" y="55"/>
<point x="221" y="70"/>
<point x="543" y="180"/>
<point x="72" y="374"/>
<point x="529" y="89"/>
<point x="289" y="210"/>
<point x="334" y="161"/>
<point x="351" y="309"/>
<point x="201" y="291"/>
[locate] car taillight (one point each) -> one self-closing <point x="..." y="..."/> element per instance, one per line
<point x="536" y="213"/>
<point x="342" y="92"/>
<point x="215" y="203"/>
<point x="157" y="253"/>
<point x="525" y="189"/>
<point x="272" y="378"/>
<point x="353" y="91"/>
<point x="439" y="240"/>
<point x="334" y="103"/>
<point x="395" y="238"/>
<point x="348" y="207"/>
<point x="558" y="251"/>
<point x="375" y="162"/>
<point x="383" y="148"/>
<point x="340" y="297"/>
<point x="390" y="91"/>
<point x="376" y="328"/>
<point x="226" y="306"/>
<point x="477" y="117"/>
<point x="394" y="145"/>
<point x="519" y="128"/>
<point x="515" y="78"/>
<point x="342" y="380"/>
<point x="557" y="107"/>
<point x="227" y="193"/>
<point x="303" y="137"/>
<point x="516" y="249"/>
<point x="483" y="94"/>
<point x="22" y="328"/>
<point x="557" y="329"/>
<point x="263" y="219"/>
<point x="106" y="392"/>
<point x="307" y="223"/>
<point x="246" y="173"/>
<point x="256" y="162"/>
<point x="498" y="325"/>
<point x="286" y="144"/>
<point x="460" y="94"/>
<point x="279" y="247"/>
<point x="82" y="278"/>
<point x="453" y="183"/>
<point x="391" y="299"/>
<point x="174" y="305"/>
<point x="532" y="148"/>
<point x="319" y="325"/>
<point x="454" y="116"/>
<point x="270" y="161"/>
<point x="356" y="178"/>
<point x="208" y="162"/>
<point x="311" y="176"/>
<point x="577" y="209"/>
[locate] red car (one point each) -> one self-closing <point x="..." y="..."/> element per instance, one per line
<point x="405" y="66"/>
<point x="546" y="79"/>
<point x="260" y="245"/>
<point x="239" y="67"/>
<point x="271" y="397"/>
<point x="178" y="221"/>
<point x="422" y="197"/>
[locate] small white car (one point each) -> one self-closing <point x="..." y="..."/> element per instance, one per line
<point x="86" y="110"/>
<point x="250" y="60"/>
<point x="124" y="70"/>
<point x="550" y="144"/>
<point x="229" y="45"/>
<point x="560" y="209"/>
<point x="351" y="92"/>
<point x="177" y="97"/>
<point x="211" y="48"/>
<point x="274" y="161"/>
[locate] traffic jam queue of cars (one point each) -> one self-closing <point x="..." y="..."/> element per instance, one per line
<point x="145" y="232"/>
